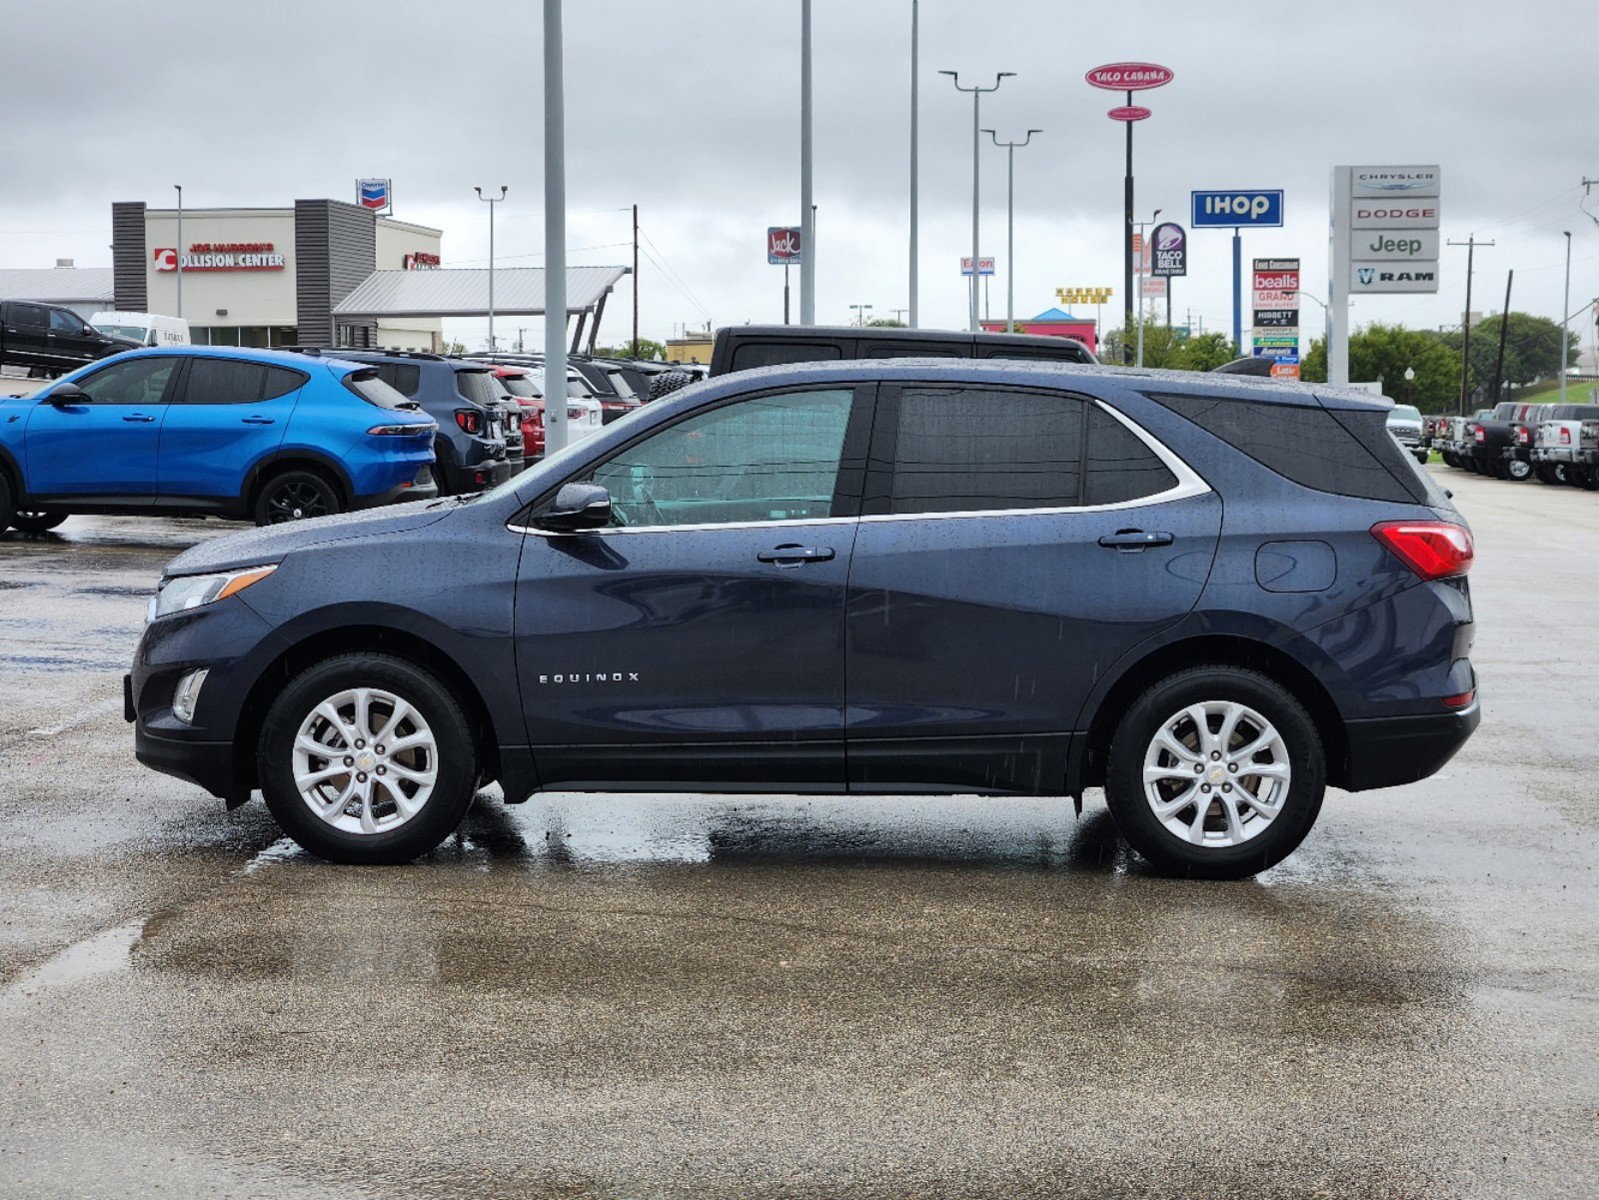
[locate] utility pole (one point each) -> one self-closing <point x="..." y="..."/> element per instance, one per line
<point x="915" y="38"/>
<point x="1471" y="244"/>
<point x="1504" y="328"/>
<point x="807" y="213"/>
<point x="1010" y="223"/>
<point x="977" y="120"/>
<point x="1565" y="317"/>
<point x="635" y="281"/>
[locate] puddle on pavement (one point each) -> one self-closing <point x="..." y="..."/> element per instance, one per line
<point x="105" y="953"/>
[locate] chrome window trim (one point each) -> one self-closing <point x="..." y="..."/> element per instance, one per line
<point x="1189" y="484"/>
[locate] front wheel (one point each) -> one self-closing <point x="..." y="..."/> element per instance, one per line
<point x="295" y="496"/>
<point x="1215" y="773"/>
<point x="36" y="522"/>
<point x="367" y="759"/>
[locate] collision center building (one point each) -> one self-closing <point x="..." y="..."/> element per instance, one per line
<point x="270" y="276"/>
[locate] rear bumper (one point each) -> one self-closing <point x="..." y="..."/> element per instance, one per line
<point x="421" y="487"/>
<point x="1393" y="750"/>
<point x="481" y="475"/>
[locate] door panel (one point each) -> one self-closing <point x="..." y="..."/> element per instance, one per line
<point x="222" y="426"/>
<point x="107" y="445"/>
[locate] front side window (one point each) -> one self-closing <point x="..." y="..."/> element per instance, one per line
<point x="965" y="449"/>
<point x="63" y="321"/>
<point x="141" y="381"/>
<point x="768" y="458"/>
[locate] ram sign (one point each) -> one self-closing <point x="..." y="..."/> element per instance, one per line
<point x="1238" y="210"/>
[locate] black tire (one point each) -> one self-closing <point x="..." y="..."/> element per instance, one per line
<point x="1449" y="459"/>
<point x="1583" y="477"/>
<point x="1544" y="473"/>
<point x="453" y="762"/>
<point x="1295" y="813"/>
<point x="294" y="496"/>
<point x="6" y="511"/>
<point x="666" y="382"/>
<point x="1421" y="457"/>
<point x="1518" y="470"/>
<point x="36" y="522"/>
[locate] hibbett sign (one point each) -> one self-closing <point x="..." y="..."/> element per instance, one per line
<point x="222" y="256"/>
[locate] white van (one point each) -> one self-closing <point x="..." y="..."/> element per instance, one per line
<point x="150" y="329"/>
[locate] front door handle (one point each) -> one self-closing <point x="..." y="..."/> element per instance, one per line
<point x="139" y="418"/>
<point x="1135" y="539"/>
<point x="256" y="420"/>
<point x="795" y="554"/>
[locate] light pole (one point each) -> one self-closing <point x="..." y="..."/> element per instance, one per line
<point x="1565" y="316"/>
<point x="181" y="248"/>
<point x="1010" y="223"/>
<point x="977" y="98"/>
<point x="860" y="311"/>
<point x="1326" y="324"/>
<point x="915" y="23"/>
<point x="554" y="231"/>
<point x="491" y="201"/>
<point x="1142" y="225"/>
<point x="807" y="209"/>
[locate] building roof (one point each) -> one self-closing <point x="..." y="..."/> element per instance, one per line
<point x="57" y="285"/>
<point x="1055" y="314"/>
<point x="457" y="292"/>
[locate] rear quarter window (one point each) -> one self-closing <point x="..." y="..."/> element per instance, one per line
<point x="479" y="387"/>
<point x="368" y="384"/>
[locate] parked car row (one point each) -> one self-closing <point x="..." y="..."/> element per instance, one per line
<point x="1554" y="443"/>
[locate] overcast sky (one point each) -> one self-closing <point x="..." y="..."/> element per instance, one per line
<point x="690" y="110"/>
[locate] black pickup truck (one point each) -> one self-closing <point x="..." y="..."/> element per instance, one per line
<point x="50" y="340"/>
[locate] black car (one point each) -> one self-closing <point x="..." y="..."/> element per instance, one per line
<point x="872" y="577"/>
<point x="479" y="443"/>
<point x="743" y="347"/>
<point x="50" y="340"/>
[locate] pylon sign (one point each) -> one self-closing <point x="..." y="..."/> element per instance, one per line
<point x="1084" y="295"/>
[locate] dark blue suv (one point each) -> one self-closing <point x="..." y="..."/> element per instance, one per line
<point x="250" y="434"/>
<point x="1210" y="596"/>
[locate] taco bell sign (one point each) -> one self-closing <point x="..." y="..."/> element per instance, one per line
<point x="783" y="246"/>
<point x="1168" y="250"/>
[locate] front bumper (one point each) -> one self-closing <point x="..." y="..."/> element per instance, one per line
<point x="208" y="764"/>
<point x="1390" y="751"/>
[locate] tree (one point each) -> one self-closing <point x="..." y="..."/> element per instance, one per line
<point x="1384" y="352"/>
<point x="1207" y="352"/>
<point x="885" y="323"/>
<point x="646" y="349"/>
<point x="1532" y="349"/>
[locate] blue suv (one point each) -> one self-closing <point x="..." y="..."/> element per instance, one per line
<point x="1210" y="596"/>
<point x="251" y="434"/>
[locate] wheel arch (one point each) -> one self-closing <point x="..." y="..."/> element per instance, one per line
<point x="376" y="639"/>
<point x="1087" y="767"/>
<point x="296" y="459"/>
<point x="12" y="470"/>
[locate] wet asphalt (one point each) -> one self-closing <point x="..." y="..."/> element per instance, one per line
<point x="754" y="996"/>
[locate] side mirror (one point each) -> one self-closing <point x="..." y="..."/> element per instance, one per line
<point x="577" y="506"/>
<point x="66" y="393"/>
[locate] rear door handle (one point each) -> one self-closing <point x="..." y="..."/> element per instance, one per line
<point x="795" y="554"/>
<point x="139" y="418"/>
<point x="1135" y="539"/>
<point x="256" y="420"/>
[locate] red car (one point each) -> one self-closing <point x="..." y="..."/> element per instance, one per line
<point x="516" y="382"/>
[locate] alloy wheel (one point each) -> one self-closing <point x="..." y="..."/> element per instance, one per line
<point x="365" y="761"/>
<point x="296" y="500"/>
<point x="1216" y="773"/>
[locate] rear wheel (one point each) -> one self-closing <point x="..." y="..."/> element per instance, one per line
<point x="1583" y="477"/>
<point x="6" y="501"/>
<point x="36" y="522"/>
<point x="367" y="759"/>
<point x="1215" y="773"/>
<point x="294" y="496"/>
<point x="1518" y="469"/>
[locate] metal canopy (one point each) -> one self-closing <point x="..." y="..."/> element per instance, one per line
<point x="58" y="285"/>
<point x="456" y="292"/>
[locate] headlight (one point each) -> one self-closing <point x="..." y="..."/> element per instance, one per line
<point x="191" y="591"/>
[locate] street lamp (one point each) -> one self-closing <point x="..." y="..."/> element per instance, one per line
<point x="1142" y="225"/>
<point x="977" y="98"/>
<point x="860" y="311"/>
<point x="1410" y="378"/>
<point x="1010" y="223"/>
<point x="491" y="201"/>
<point x="1565" y="317"/>
<point x="181" y="248"/>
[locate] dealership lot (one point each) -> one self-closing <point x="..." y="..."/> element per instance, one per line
<point x="628" y="996"/>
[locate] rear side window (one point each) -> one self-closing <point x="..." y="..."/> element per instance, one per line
<point x="479" y="387"/>
<point x="749" y="355"/>
<point x="1120" y="467"/>
<point x="976" y="450"/>
<point x="229" y="381"/>
<point x="368" y="384"/>
<point x="405" y="378"/>
<point x="1348" y="453"/>
<point x="519" y="385"/>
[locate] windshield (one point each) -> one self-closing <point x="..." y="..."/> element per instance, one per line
<point x="1404" y="412"/>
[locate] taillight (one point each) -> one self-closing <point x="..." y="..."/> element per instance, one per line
<point x="469" y="419"/>
<point x="575" y="414"/>
<point x="1476" y="433"/>
<point x="401" y="430"/>
<point x="1565" y="435"/>
<point x="1432" y="549"/>
<point x="1523" y="434"/>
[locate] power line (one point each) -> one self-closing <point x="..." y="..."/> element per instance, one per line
<point x="671" y="275"/>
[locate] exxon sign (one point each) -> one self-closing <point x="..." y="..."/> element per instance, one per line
<point x="1233" y="210"/>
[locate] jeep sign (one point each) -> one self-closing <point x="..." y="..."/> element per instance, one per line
<point x="1394" y="243"/>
